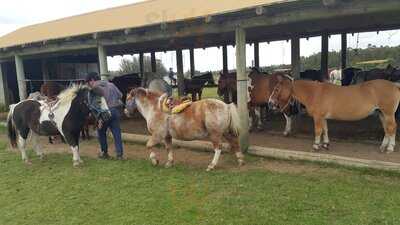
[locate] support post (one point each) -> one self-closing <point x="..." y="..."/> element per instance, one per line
<point x="141" y="64"/>
<point x="153" y="62"/>
<point x="344" y="52"/>
<point x="224" y="59"/>
<point x="256" y="54"/>
<point x="296" y="57"/>
<point x="45" y="70"/>
<point x="21" y="77"/>
<point x="3" y="88"/>
<point x="242" y="92"/>
<point x="192" y="65"/>
<point x="179" y="71"/>
<point x="103" y="62"/>
<point x="324" y="55"/>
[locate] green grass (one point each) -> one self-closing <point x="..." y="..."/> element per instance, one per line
<point x="133" y="192"/>
<point x="208" y="92"/>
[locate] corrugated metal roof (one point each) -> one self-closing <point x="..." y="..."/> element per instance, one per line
<point x="130" y="16"/>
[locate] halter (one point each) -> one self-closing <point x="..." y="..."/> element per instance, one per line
<point x="97" y="111"/>
<point x="290" y="101"/>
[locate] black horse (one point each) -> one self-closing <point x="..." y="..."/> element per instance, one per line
<point x="66" y="117"/>
<point x="195" y="85"/>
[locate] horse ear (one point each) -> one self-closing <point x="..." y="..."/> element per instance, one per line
<point x="280" y="78"/>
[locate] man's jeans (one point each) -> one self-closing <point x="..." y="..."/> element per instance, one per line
<point x="114" y="125"/>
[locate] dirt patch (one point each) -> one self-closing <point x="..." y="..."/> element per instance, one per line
<point x="359" y="139"/>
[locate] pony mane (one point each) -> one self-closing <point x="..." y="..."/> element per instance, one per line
<point x="69" y="94"/>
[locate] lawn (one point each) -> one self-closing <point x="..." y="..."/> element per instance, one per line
<point x="134" y="192"/>
<point x="208" y="92"/>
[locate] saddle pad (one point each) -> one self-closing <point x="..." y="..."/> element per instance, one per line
<point x="176" y="109"/>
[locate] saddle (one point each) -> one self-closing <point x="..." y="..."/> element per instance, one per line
<point x="176" y="106"/>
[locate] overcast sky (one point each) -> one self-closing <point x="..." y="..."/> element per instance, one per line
<point x="18" y="13"/>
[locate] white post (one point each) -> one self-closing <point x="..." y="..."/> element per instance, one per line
<point x="103" y="62"/>
<point x="21" y="78"/>
<point x="242" y="88"/>
<point x="3" y="88"/>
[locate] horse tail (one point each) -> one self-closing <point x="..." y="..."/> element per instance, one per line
<point x="234" y="119"/>
<point x="11" y="131"/>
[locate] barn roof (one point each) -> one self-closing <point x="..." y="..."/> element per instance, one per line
<point x="137" y="15"/>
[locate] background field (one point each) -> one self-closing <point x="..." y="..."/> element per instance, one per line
<point x="134" y="192"/>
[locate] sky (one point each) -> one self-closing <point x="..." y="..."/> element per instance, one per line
<point x="18" y="13"/>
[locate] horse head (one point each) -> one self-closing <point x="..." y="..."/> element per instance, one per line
<point x="281" y="95"/>
<point x="90" y="101"/>
<point x="132" y="98"/>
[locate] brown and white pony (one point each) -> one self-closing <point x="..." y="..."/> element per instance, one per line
<point x="327" y="101"/>
<point x="209" y="118"/>
<point x="260" y="87"/>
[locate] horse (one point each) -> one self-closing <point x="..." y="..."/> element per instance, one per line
<point x="348" y="75"/>
<point x="66" y="117"/>
<point x="260" y="86"/>
<point x="227" y="87"/>
<point x="374" y="74"/>
<point x="327" y="101"/>
<point x="335" y="77"/>
<point x="195" y="85"/>
<point x="314" y="75"/>
<point x="126" y="82"/>
<point x="160" y="86"/>
<point x="208" y="118"/>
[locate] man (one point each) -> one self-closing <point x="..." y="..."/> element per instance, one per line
<point x="113" y="98"/>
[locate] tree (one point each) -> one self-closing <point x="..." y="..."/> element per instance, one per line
<point x="132" y="66"/>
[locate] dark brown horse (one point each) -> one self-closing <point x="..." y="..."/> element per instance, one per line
<point x="195" y="86"/>
<point x="227" y="87"/>
<point x="126" y="82"/>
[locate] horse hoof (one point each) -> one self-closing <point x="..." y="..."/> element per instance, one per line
<point x="382" y="149"/>
<point x="28" y="162"/>
<point x="169" y="164"/>
<point x="155" y="162"/>
<point x="316" y="147"/>
<point x="210" y="168"/>
<point x="326" y="146"/>
<point x="241" y="163"/>
<point x="42" y="157"/>
<point x="286" y="134"/>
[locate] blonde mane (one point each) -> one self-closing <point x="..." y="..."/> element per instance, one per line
<point x="69" y="94"/>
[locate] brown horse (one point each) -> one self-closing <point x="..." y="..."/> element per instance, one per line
<point x="227" y="87"/>
<point x="327" y="101"/>
<point x="209" y="118"/>
<point x="260" y="86"/>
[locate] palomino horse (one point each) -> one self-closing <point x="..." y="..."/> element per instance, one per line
<point x="195" y="86"/>
<point x="260" y="86"/>
<point x="327" y="101"/>
<point x="209" y="118"/>
<point x="66" y="117"/>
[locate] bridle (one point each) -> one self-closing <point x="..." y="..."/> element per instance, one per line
<point x="98" y="112"/>
<point x="290" y="100"/>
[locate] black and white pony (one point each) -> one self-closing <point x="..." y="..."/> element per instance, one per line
<point x="66" y="117"/>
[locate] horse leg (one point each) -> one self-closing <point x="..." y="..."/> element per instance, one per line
<point x="200" y="93"/>
<point x="385" y="141"/>
<point x="37" y="147"/>
<point x="288" y="126"/>
<point x="150" y="146"/>
<point x="318" y="128"/>
<point x="22" y="148"/>
<point x="216" y="141"/>
<point x="234" y="147"/>
<point x="325" y="144"/>
<point x="168" y="147"/>
<point x="75" y="156"/>
<point x="258" y="118"/>
<point x="391" y="127"/>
